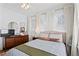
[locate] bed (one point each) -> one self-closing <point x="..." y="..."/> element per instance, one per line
<point x="53" y="48"/>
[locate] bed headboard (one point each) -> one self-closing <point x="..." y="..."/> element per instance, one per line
<point x="53" y="34"/>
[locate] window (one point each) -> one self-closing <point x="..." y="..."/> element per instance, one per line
<point x="59" y="21"/>
<point x="43" y="22"/>
<point x="32" y="24"/>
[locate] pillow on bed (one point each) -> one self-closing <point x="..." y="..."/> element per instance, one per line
<point x="48" y="39"/>
<point x="56" y="36"/>
<point x="43" y="38"/>
<point x="45" y="35"/>
<point x="53" y="39"/>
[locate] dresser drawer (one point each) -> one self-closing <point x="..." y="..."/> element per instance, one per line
<point x="9" y="43"/>
<point x="15" y="40"/>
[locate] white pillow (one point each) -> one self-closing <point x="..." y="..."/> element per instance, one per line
<point x="57" y="36"/>
<point x="43" y="35"/>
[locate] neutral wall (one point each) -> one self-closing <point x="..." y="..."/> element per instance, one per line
<point x="7" y="15"/>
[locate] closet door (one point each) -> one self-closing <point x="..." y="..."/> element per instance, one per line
<point x="43" y="22"/>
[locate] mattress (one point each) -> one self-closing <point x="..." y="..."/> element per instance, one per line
<point x="56" y="48"/>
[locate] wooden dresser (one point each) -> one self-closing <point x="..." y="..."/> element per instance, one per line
<point x="15" y="40"/>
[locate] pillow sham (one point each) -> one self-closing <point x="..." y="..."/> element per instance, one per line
<point x="48" y="39"/>
<point x="56" y="36"/>
<point x="53" y="39"/>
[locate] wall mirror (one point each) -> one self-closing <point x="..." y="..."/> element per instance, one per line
<point x="13" y="25"/>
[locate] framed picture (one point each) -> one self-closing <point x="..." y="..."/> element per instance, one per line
<point x="22" y="29"/>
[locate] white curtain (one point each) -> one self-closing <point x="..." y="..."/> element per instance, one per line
<point x="43" y="22"/>
<point x="75" y="31"/>
<point x="32" y="25"/>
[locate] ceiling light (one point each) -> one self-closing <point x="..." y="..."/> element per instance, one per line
<point x="25" y="5"/>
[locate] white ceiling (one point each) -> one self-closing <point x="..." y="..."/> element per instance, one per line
<point x="34" y="7"/>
